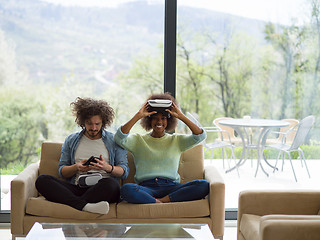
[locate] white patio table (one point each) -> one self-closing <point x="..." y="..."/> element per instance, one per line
<point x="241" y="126"/>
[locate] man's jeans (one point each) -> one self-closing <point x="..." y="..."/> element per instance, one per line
<point x="147" y="191"/>
<point x="56" y="190"/>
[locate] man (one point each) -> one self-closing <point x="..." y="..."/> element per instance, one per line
<point x="111" y="161"/>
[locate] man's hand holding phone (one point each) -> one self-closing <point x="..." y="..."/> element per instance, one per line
<point x="97" y="163"/>
<point x="92" y="159"/>
<point x="87" y="164"/>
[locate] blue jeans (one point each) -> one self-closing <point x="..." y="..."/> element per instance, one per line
<point x="147" y="191"/>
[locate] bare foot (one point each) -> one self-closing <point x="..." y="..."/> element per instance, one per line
<point x="165" y="199"/>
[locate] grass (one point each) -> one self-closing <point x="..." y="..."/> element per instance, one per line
<point x="13" y="169"/>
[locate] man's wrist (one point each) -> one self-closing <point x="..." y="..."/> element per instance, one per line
<point x="112" y="167"/>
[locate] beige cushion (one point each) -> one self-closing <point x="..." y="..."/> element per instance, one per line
<point x="293" y="227"/>
<point x="49" y="159"/>
<point x="199" y="208"/>
<point x="282" y="226"/>
<point x="249" y="226"/>
<point x="44" y="208"/>
<point x="191" y="164"/>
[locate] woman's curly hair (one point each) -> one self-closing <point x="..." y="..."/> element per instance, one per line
<point x="85" y="108"/>
<point x="171" y="121"/>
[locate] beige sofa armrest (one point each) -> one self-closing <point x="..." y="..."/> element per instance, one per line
<point x="291" y="227"/>
<point x="22" y="188"/>
<point x="216" y="199"/>
<point x="278" y="202"/>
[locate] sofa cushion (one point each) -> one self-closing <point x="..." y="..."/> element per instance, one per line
<point x="249" y="226"/>
<point x="41" y="207"/>
<point x="49" y="159"/>
<point x="199" y="208"/>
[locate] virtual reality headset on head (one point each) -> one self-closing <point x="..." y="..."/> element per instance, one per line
<point x="160" y="105"/>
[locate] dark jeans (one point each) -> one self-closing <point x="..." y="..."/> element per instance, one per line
<point x="56" y="190"/>
<point x="148" y="191"/>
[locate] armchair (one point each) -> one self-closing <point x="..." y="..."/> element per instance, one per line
<point x="267" y="215"/>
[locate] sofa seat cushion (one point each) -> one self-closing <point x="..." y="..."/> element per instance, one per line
<point x="199" y="208"/>
<point x="39" y="206"/>
<point x="249" y="226"/>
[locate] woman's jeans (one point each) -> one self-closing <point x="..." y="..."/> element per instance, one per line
<point x="147" y="191"/>
<point x="56" y="190"/>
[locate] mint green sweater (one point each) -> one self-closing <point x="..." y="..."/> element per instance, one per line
<point x="157" y="157"/>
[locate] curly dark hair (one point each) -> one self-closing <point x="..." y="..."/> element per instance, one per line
<point x="85" y="108"/>
<point x="171" y="121"/>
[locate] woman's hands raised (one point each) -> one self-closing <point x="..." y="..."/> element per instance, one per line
<point x="175" y="111"/>
<point x="143" y="112"/>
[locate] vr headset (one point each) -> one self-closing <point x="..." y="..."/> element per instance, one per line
<point x="160" y="105"/>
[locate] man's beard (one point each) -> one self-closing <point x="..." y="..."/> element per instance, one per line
<point x="93" y="133"/>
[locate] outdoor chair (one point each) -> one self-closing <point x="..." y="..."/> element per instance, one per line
<point x="230" y="131"/>
<point x="301" y="131"/>
<point x="285" y="135"/>
<point x="222" y="143"/>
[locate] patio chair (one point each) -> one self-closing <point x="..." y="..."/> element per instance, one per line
<point x="284" y="135"/>
<point x="222" y="144"/>
<point x="229" y="130"/>
<point x="301" y="131"/>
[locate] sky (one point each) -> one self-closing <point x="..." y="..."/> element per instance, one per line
<point x="278" y="11"/>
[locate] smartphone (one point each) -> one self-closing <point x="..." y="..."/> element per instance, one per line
<point x="90" y="160"/>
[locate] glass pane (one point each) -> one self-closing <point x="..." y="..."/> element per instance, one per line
<point x="252" y="60"/>
<point x="54" y="51"/>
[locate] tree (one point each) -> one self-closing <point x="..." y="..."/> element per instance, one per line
<point x="9" y="73"/>
<point x="22" y="126"/>
<point x="288" y="41"/>
<point x="145" y="76"/>
<point x="190" y="77"/>
<point x="315" y="17"/>
<point x="231" y="70"/>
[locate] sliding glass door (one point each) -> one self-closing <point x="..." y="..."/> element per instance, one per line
<point x="257" y="59"/>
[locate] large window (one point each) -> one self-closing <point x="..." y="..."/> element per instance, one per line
<point x="258" y="59"/>
<point x="234" y="58"/>
<point x="54" y="51"/>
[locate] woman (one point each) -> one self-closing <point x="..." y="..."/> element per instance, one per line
<point x="157" y="154"/>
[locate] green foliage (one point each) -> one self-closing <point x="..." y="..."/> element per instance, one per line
<point x="22" y="126"/>
<point x="13" y="168"/>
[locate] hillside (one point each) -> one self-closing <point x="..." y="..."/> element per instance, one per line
<point x="52" y="41"/>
